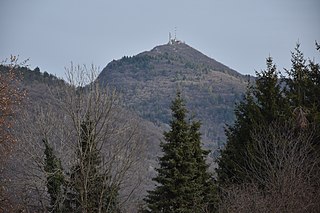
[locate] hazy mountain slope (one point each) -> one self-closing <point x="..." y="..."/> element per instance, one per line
<point x="148" y="83"/>
<point x="149" y="80"/>
<point x="41" y="89"/>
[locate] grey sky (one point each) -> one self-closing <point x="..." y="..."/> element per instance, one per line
<point x="238" y="33"/>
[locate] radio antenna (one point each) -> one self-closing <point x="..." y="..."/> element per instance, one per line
<point x="175" y="34"/>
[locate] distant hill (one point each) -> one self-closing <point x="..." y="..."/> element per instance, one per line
<point x="149" y="81"/>
<point x="41" y="91"/>
<point x="41" y="87"/>
<point x="35" y="83"/>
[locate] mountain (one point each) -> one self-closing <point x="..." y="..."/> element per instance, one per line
<point x="149" y="81"/>
<point x="43" y="91"/>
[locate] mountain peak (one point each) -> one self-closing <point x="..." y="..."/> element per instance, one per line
<point x="149" y="80"/>
<point x="179" y="50"/>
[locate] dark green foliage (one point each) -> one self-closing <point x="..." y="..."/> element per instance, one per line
<point x="303" y="93"/>
<point x="139" y="62"/>
<point x="269" y="95"/>
<point x="88" y="188"/>
<point x="232" y="159"/>
<point x="303" y="84"/>
<point x="262" y="104"/>
<point x="184" y="185"/>
<point x="298" y="79"/>
<point x="271" y="100"/>
<point x="55" y="178"/>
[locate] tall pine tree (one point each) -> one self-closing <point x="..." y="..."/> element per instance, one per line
<point x="294" y="98"/>
<point x="184" y="184"/>
<point x="303" y="86"/>
<point x="303" y="93"/>
<point x="292" y="101"/>
<point x="263" y="103"/>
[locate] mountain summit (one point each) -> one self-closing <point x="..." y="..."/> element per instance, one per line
<point x="191" y="55"/>
<point x="149" y="81"/>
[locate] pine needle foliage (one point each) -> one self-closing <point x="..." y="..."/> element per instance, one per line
<point x="183" y="182"/>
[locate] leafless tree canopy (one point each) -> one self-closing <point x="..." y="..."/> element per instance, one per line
<point x="116" y="133"/>
<point x="290" y="181"/>
<point x="11" y="97"/>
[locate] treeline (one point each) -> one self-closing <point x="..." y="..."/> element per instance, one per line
<point x="85" y="154"/>
<point x="271" y="160"/>
<point x="30" y="76"/>
<point x="139" y="62"/>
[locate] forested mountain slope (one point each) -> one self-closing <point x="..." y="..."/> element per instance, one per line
<point x="149" y="81"/>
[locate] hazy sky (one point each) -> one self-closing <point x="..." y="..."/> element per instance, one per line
<point x="238" y="33"/>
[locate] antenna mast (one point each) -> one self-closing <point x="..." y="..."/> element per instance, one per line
<point x="175" y="33"/>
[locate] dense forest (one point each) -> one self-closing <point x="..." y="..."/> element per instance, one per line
<point x="77" y="149"/>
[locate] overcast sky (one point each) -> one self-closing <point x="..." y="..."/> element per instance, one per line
<point x="238" y="33"/>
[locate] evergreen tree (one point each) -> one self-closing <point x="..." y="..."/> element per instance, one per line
<point x="262" y="104"/>
<point x="268" y="94"/>
<point x="184" y="185"/>
<point x="290" y="101"/>
<point x="303" y="86"/>
<point x="313" y="92"/>
<point x="55" y="178"/>
<point x="232" y="157"/>
<point x="303" y="91"/>
<point x="298" y="79"/>
<point x="88" y="189"/>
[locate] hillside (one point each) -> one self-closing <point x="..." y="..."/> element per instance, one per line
<point x="41" y="94"/>
<point x="148" y="83"/>
<point x="41" y="88"/>
<point x="149" y="80"/>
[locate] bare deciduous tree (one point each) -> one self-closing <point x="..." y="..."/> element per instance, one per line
<point x="11" y="97"/>
<point x="115" y="135"/>
<point x="289" y="182"/>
